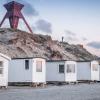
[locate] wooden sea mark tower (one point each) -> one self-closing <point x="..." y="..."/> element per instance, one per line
<point x="14" y="14"/>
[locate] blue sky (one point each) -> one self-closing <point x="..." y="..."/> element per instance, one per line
<point x="77" y="20"/>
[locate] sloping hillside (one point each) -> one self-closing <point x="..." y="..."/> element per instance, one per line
<point x="16" y="43"/>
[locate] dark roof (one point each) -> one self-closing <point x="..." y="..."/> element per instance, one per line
<point x="56" y="60"/>
<point x="68" y="60"/>
<point x="28" y="58"/>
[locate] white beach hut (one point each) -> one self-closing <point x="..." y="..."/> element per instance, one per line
<point x="4" y="63"/>
<point x="61" y="71"/>
<point x="88" y="71"/>
<point x="27" y="70"/>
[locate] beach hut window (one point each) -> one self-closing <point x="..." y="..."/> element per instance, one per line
<point x="95" y="67"/>
<point x="39" y="66"/>
<point x="1" y="67"/>
<point x="61" y="68"/>
<point x="26" y="64"/>
<point x="70" y="68"/>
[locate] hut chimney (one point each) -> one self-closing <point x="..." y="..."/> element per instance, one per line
<point x="80" y="45"/>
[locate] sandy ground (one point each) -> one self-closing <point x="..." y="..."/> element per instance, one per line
<point x="66" y="92"/>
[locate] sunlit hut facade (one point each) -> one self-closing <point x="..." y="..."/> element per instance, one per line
<point x="61" y="71"/>
<point x="4" y="63"/>
<point x="95" y="70"/>
<point x="27" y="71"/>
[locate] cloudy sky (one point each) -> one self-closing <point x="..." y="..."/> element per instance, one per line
<point x="78" y="21"/>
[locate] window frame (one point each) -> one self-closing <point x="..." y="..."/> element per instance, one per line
<point x="27" y="64"/>
<point x="1" y="68"/>
<point x="71" y="71"/>
<point x="95" y="69"/>
<point x="39" y="67"/>
<point x="61" y="72"/>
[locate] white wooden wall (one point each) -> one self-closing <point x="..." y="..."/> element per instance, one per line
<point x="17" y="71"/>
<point x="52" y="71"/>
<point x="83" y="70"/>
